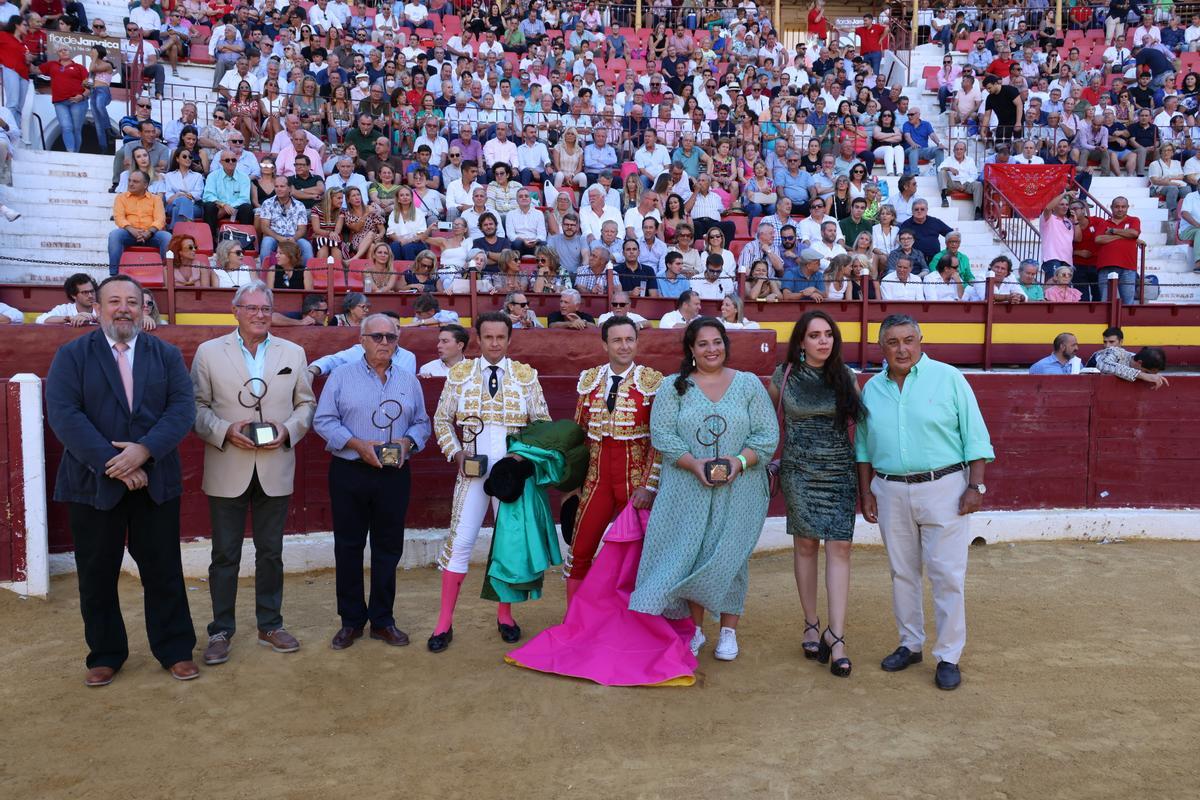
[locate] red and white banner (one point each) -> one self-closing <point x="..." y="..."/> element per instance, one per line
<point x="1029" y="187"/>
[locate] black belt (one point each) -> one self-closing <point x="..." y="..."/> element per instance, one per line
<point x="924" y="477"/>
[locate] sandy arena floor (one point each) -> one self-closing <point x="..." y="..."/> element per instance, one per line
<point x="1080" y="681"/>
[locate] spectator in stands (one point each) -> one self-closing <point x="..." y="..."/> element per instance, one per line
<point x="594" y="277"/>
<point x="713" y="284"/>
<point x="80" y="308"/>
<point x="1029" y="281"/>
<point x="906" y="195"/>
<point x="1146" y="365"/>
<point x="452" y="341"/>
<point x="705" y="207"/>
<point x="620" y="307"/>
<point x="1117" y="246"/>
<point x="960" y="174"/>
<point x="918" y="136"/>
<point x="957" y="259"/>
<point x="804" y="278"/>
<point x="227" y="194"/>
<point x="314" y="310"/>
<point x="140" y="221"/>
<point x="1165" y="174"/>
<point x="137" y="49"/>
<point x="1059" y="289"/>
<point x="1063" y="360"/>
<point x="637" y="279"/>
<point x="687" y="308"/>
<point x="1189" y="225"/>
<point x="850" y="227"/>
<point x="182" y="189"/>
<point x="428" y="311"/>
<point x="569" y="316"/>
<point x="571" y="247"/>
<point x="674" y="280"/>
<point x="188" y="270"/>
<point x="1004" y="104"/>
<point x="69" y="96"/>
<point x="1057" y="231"/>
<point x="927" y="231"/>
<point x="282" y="218"/>
<point x="901" y="284"/>
<point x="516" y="306"/>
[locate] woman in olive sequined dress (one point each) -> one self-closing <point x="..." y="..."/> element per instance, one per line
<point x="817" y="474"/>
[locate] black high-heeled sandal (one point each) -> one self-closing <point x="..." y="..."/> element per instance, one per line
<point x="811" y="648"/>
<point x="840" y="667"/>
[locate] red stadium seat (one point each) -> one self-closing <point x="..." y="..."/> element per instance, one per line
<point x="736" y="246"/>
<point x="146" y="266"/>
<point x="355" y="270"/>
<point x="198" y="231"/>
<point x="451" y="26"/>
<point x="929" y="73"/>
<point x="321" y="274"/>
<point x="741" y="225"/>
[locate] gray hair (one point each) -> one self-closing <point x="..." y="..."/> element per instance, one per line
<point x="599" y="248"/>
<point x="251" y="287"/>
<point x="920" y="201"/>
<point x="367" y="320"/>
<point x="221" y="254"/>
<point x="571" y="294"/>
<point x="897" y="321"/>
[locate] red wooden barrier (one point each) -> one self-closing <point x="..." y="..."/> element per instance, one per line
<point x="1087" y="441"/>
<point x="9" y="520"/>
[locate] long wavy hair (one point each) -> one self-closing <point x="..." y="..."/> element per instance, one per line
<point x="848" y="404"/>
<point x="690" y="334"/>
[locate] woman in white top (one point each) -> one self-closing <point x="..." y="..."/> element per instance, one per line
<point x="733" y="316"/>
<point x="273" y="107"/>
<point x="714" y="242"/>
<point x="141" y="160"/>
<point x="453" y="248"/>
<point x="567" y="157"/>
<point x="944" y="283"/>
<point x="181" y="189"/>
<point x="407" y="229"/>
<point x="839" y="278"/>
<point x="1166" y="178"/>
<point x="885" y="236"/>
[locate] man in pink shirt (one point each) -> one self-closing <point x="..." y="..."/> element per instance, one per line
<point x="285" y="162"/>
<point x="1058" y="236"/>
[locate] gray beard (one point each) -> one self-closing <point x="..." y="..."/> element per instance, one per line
<point x="110" y="330"/>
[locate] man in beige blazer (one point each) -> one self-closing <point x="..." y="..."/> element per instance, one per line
<point x="239" y="477"/>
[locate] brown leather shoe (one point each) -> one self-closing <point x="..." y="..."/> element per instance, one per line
<point x="99" y="676"/>
<point x="345" y="637"/>
<point x="184" y="670"/>
<point x="391" y="634"/>
<point x="218" y="649"/>
<point x="279" y="640"/>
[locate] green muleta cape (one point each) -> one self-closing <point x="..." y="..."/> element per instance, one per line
<point x="525" y="541"/>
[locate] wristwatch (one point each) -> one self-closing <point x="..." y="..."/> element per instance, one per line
<point x="979" y="487"/>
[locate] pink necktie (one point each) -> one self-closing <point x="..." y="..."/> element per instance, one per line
<point x="126" y="371"/>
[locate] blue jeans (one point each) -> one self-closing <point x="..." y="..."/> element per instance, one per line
<point x="119" y="239"/>
<point x="875" y="60"/>
<point x="70" y="122"/>
<point x="269" y="246"/>
<point x="1126" y="284"/>
<point x="101" y="97"/>
<point x="759" y="209"/>
<point x="15" y="89"/>
<point x="915" y="154"/>
<point x="407" y="252"/>
<point x="182" y="208"/>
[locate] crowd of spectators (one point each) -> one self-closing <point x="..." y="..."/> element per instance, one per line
<point x="563" y="137"/>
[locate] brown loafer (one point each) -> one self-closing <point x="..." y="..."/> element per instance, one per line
<point x="345" y="637"/>
<point x="99" y="676"/>
<point x="217" y="652"/>
<point x="184" y="670"/>
<point x="279" y="640"/>
<point x="391" y="634"/>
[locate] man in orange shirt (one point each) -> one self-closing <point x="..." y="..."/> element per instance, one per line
<point x="140" y="221"/>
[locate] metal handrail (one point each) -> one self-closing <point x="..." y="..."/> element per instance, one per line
<point x="900" y="41"/>
<point x="1106" y="213"/>
<point x="1018" y="234"/>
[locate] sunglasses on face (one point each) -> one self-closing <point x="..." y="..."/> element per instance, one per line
<point x="619" y="305"/>
<point x="380" y="338"/>
<point x="522" y="304"/>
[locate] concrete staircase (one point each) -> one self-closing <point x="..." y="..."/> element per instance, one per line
<point x="66" y="216"/>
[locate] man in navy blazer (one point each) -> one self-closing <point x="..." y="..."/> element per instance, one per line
<point x="120" y="402"/>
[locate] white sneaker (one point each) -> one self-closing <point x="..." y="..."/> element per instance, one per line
<point x="9" y="214"/>
<point x="727" y="649"/>
<point x="698" y="640"/>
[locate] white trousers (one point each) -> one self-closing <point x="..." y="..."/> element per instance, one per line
<point x="471" y="503"/>
<point x="922" y="529"/>
<point x="892" y="158"/>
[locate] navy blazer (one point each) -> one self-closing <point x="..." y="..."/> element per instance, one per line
<point x="87" y="410"/>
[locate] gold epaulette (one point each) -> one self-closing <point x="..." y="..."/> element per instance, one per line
<point x="588" y="379"/>
<point x="523" y="373"/>
<point x="461" y="371"/>
<point x="647" y="380"/>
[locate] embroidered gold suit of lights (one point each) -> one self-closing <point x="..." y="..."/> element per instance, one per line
<point x="629" y="420"/>
<point x="519" y="401"/>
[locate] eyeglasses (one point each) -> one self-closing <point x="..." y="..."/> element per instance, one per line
<point x="619" y="305"/>
<point x="255" y="311"/>
<point x="228" y="160"/>
<point x="237" y="141"/>
<point x="456" y="155"/>
<point x="185" y="157"/>
<point x="143" y="105"/>
<point x="524" y="304"/>
<point x="236" y="252"/>
<point x="380" y="338"/>
<point x="215" y="117"/>
<point x="788" y="238"/>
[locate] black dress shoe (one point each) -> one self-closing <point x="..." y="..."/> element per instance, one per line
<point x="947" y="676"/>
<point x="902" y="658"/>
<point x="509" y="633"/>
<point x="345" y="637"/>
<point x="440" y="641"/>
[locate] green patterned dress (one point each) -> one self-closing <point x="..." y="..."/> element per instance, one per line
<point x="817" y="473"/>
<point x="699" y="540"/>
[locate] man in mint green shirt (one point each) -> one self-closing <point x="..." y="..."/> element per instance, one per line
<point x="921" y="453"/>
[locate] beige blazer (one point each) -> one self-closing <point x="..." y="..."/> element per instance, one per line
<point x="218" y="375"/>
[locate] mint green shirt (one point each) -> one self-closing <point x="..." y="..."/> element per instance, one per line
<point x="255" y="364"/>
<point x="933" y="423"/>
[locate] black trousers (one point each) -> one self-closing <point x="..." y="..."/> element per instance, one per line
<point x="367" y="501"/>
<point x="704" y="224"/>
<point x="243" y="215"/>
<point x="228" y="515"/>
<point x="152" y="531"/>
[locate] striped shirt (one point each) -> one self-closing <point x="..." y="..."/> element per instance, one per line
<point x="350" y="405"/>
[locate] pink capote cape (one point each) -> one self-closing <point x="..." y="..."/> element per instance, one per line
<point x="600" y="639"/>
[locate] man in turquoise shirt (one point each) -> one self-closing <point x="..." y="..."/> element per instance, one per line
<point x="921" y="453"/>
<point x="227" y="195"/>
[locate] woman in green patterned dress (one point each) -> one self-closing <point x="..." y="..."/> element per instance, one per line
<point x="700" y="534"/>
<point x="817" y="475"/>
